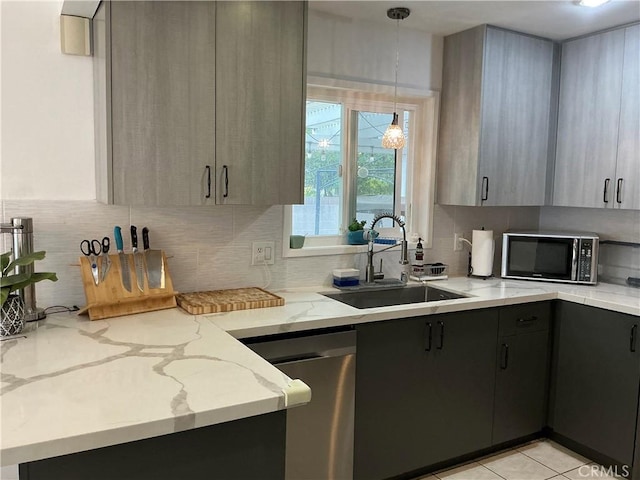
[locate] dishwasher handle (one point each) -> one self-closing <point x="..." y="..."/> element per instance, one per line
<point x="295" y="358"/>
<point x="308" y="347"/>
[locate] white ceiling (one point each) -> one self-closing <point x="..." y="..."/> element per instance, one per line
<point x="555" y="19"/>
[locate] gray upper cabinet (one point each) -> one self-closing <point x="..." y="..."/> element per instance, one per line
<point x="260" y="90"/>
<point x="494" y="130"/>
<point x="628" y="163"/>
<point x="597" y="144"/>
<point x="168" y="134"/>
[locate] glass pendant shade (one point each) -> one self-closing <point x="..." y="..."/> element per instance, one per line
<point x="394" y="136"/>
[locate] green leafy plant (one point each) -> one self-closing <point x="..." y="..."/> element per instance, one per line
<point x="11" y="282"/>
<point x="355" y="225"/>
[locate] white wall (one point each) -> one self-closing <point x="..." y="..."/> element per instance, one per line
<point x="47" y="108"/>
<point x="355" y="50"/>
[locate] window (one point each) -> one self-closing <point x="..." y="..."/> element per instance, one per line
<point x="349" y="175"/>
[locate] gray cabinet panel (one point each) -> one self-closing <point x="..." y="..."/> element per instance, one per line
<point x="589" y="109"/>
<point x="162" y="101"/>
<point x="516" y="99"/>
<point x="596" y="379"/>
<point x="521" y="386"/>
<point x="494" y="130"/>
<point x="460" y="118"/>
<point x="628" y="163"/>
<point x="260" y="81"/>
<point x="421" y="401"/>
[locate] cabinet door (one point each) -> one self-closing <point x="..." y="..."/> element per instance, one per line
<point x="628" y="165"/>
<point x="461" y="383"/>
<point x="588" y="118"/>
<point x="394" y="412"/>
<point x="162" y="101"/>
<point x="521" y="386"/>
<point x="596" y="378"/>
<point x="516" y="99"/>
<point x="260" y="85"/>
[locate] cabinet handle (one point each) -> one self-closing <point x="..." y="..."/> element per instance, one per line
<point x="225" y="169"/>
<point x="427" y="346"/>
<point x="441" y="324"/>
<point x="605" y="195"/>
<point x="504" y="361"/>
<point x="208" y="169"/>
<point x="619" y="190"/>
<point x="532" y="318"/>
<point x="485" y="189"/>
<point x="632" y="341"/>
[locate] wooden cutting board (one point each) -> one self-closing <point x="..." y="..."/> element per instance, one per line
<point x="215" y="301"/>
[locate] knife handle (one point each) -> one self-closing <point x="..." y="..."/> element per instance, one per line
<point x="117" y="233"/>
<point x="145" y="238"/>
<point x="134" y="237"/>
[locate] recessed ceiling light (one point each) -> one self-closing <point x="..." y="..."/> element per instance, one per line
<point x="592" y="3"/>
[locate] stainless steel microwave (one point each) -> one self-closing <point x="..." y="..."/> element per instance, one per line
<point x="550" y="256"/>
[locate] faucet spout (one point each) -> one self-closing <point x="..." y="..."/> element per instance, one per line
<point x="404" y="255"/>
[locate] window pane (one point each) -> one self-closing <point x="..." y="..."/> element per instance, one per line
<point x="376" y="171"/>
<point x="321" y="212"/>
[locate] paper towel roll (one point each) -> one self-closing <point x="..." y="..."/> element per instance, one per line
<point x="482" y="249"/>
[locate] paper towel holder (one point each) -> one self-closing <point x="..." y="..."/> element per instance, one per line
<point x="489" y="261"/>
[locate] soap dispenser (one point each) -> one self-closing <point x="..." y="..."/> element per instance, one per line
<point x="418" y="264"/>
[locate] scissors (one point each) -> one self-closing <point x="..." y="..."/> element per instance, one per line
<point x="91" y="249"/>
<point x="106" y="261"/>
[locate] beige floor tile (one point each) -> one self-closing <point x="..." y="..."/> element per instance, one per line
<point x="593" y="471"/>
<point x="554" y="456"/>
<point x="471" y="471"/>
<point x="514" y="465"/>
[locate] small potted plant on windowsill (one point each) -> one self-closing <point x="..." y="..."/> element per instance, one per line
<point x="12" y="307"/>
<point x="355" y="233"/>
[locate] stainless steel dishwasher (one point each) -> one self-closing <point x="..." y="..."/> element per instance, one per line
<point x="319" y="434"/>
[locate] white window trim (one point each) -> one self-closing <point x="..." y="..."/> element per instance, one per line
<point x="421" y="201"/>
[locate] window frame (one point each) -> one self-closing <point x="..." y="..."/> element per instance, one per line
<point x="420" y="174"/>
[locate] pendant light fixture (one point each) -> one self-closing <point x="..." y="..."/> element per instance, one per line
<point x="394" y="136"/>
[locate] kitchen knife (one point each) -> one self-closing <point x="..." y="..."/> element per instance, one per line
<point x="106" y="260"/>
<point x="124" y="261"/>
<point x="155" y="264"/>
<point x="138" y="258"/>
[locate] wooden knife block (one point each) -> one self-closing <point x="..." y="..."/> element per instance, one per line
<point x="110" y="298"/>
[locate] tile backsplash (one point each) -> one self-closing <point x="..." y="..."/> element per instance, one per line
<point x="210" y="247"/>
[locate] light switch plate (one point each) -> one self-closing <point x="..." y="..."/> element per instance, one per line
<point x="262" y="253"/>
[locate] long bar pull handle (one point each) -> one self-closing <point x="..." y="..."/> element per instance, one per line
<point x="485" y="189"/>
<point x="605" y="194"/>
<point x="619" y="190"/>
<point x="225" y="169"/>
<point x="428" y="337"/>
<point x="504" y="359"/>
<point x="532" y="318"/>
<point x="632" y="340"/>
<point x="441" y="325"/>
<point x="208" y="169"/>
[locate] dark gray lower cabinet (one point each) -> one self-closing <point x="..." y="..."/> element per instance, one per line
<point x="520" y="407"/>
<point x="424" y="391"/>
<point x="244" y="449"/>
<point x="596" y="379"/>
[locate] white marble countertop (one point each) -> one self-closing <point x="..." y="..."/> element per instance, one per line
<point x="306" y="309"/>
<point x="74" y="385"/>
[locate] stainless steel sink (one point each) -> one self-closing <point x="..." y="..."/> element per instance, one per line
<point x="371" y="297"/>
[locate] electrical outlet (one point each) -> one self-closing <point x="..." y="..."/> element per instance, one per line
<point x="262" y="252"/>
<point x="457" y="243"/>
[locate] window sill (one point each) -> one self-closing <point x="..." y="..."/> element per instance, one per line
<point x="288" y="252"/>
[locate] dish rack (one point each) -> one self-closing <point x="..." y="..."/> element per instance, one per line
<point x="430" y="271"/>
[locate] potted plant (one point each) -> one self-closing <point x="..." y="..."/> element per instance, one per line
<point x="355" y="233"/>
<point x="12" y="307"/>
